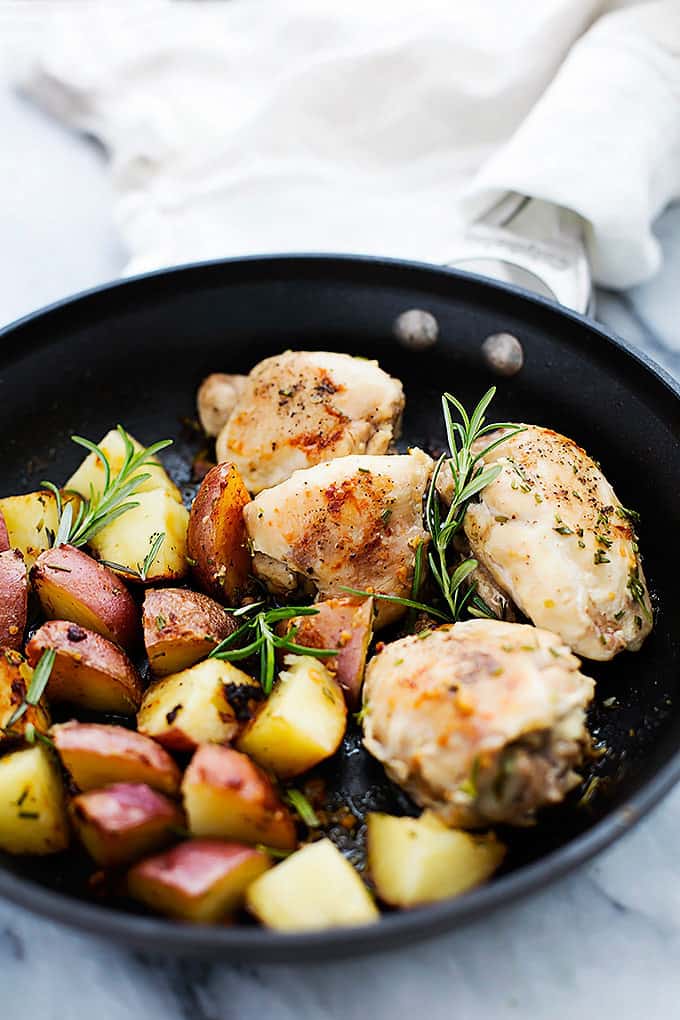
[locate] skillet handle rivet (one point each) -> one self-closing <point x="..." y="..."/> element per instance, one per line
<point x="416" y="329"/>
<point x="503" y="353"/>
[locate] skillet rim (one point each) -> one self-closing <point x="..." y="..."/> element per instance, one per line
<point x="396" y="928"/>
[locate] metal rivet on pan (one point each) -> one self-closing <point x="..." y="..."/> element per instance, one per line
<point x="416" y="329"/>
<point x="503" y="353"/>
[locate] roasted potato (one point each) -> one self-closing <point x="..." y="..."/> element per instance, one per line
<point x="419" y="860"/>
<point x="205" y="704"/>
<point x="4" y="535"/>
<point x="316" y="887"/>
<point x="345" y="624"/>
<point x="90" y="476"/>
<point x="13" y="598"/>
<point x="217" y="543"/>
<point x="202" y="880"/>
<point x="217" y="397"/>
<point x="96" y="754"/>
<point x="88" y="669"/>
<point x="32" y="809"/>
<point x="128" y="540"/>
<point x="123" y="822"/>
<point x="30" y="521"/>
<point x="227" y="796"/>
<point x="70" y="585"/>
<point x="181" y="627"/>
<point x="301" y="723"/>
<point x="15" y="679"/>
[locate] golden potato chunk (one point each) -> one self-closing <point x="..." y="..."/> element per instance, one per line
<point x="202" y="881"/>
<point x="32" y="810"/>
<point x="88" y="670"/>
<point x="301" y="723"/>
<point x="90" y="476"/>
<point x="70" y="585"/>
<point x="181" y="627"/>
<point x="15" y="679"/>
<point x="227" y="796"/>
<point x="205" y="704"/>
<point x="419" y="860"/>
<point x="96" y="754"/>
<point x="123" y="822"/>
<point x="130" y="538"/>
<point x="316" y="887"/>
<point x="31" y="521"/>
<point x="217" y="541"/>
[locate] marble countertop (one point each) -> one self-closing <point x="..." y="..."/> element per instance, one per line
<point x="606" y="938"/>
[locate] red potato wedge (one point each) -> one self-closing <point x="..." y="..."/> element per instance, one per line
<point x="202" y="880"/>
<point x="13" y="598"/>
<point x="228" y="796"/>
<point x="123" y="822"/>
<point x="33" y="816"/>
<point x="345" y="624"/>
<point x="217" y="543"/>
<point x="4" y="535"/>
<point x="15" y="679"/>
<point x="208" y="703"/>
<point x="30" y="522"/>
<point x="96" y="754"/>
<point x="88" y="670"/>
<point x="72" y="586"/>
<point x="181" y="627"/>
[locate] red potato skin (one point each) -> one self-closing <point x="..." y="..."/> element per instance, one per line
<point x="100" y="600"/>
<point x="79" y="650"/>
<point x="103" y="742"/>
<point x="183" y="622"/>
<point x="124" y="821"/>
<point x="195" y="866"/>
<point x="4" y="535"/>
<point x="217" y="541"/>
<point x="13" y="598"/>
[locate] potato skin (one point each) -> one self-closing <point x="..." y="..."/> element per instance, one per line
<point x="123" y="822"/>
<point x="201" y="880"/>
<point x="217" y="542"/>
<point x="346" y="624"/>
<point x="181" y="627"/>
<point x="227" y="796"/>
<point x="88" y="670"/>
<point x="15" y="678"/>
<point x="72" y="586"/>
<point x="96" y="754"/>
<point x="13" y="598"/>
<point x="4" y="535"/>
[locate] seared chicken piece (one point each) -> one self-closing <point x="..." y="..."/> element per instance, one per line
<point x="217" y="397"/>
<point x="355" y="521"/>
<point x="554" y="537"/>
<point x="302" y="408"/>
<point x="482" y="721"/>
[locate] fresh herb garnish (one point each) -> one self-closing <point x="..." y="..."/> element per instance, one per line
<point x="258" y="637"/>
<point x="637" y="591"/>
<point x="36" y="688"/>
<point x="100" y="509"/>
<point x="299" y="803"/>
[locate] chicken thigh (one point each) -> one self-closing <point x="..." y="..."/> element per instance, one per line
<point x="553" y="536"/>
<point x="482" y="721"/>
<point x="355" y="521"/>
<point x="301" y="408"/>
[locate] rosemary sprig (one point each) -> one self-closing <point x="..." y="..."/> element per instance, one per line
<point x="299" y="803"/>
<point x="36" y="688"/>
<point x="100" y="509"/>
<point x="256" y="636"/>
<point x="469" y="477"/>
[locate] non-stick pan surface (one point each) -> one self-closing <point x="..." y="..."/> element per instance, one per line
<point x="135" y="352"/>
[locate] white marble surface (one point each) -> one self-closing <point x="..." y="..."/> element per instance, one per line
<point x="605" y="940"/>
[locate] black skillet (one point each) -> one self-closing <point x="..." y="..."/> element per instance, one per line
<point x="135" y="352"/>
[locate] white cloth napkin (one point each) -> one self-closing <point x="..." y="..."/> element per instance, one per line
<point x="370" y="127"/>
